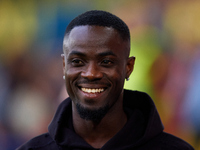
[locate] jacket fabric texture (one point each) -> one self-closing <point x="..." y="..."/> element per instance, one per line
<point x="143" y="130"/>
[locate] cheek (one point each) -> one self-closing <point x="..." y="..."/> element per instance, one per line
<point x="72" y="73"/>
<point x="117" y="76"/>
<point x="70" y="77"/>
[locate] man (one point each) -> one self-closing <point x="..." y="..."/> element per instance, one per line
<point x="99" y="113"/>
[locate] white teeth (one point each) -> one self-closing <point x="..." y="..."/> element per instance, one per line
<point x="88" y="90"/>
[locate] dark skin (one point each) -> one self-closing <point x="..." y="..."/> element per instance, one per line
<point x="95" y="64"/>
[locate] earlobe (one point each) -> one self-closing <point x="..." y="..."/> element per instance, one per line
<point x="130" y="66"/>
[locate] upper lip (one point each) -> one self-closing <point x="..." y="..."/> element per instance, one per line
<point x="92" y="86"/>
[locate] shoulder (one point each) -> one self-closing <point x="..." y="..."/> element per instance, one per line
<point x="43" y="142"/>
<point x="172" y="142"/>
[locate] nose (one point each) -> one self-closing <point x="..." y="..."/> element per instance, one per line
<point x="92" y="72"/>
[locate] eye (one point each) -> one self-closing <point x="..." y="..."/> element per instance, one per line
<point x="106" y="62"/>
<point x="77" y="62"/>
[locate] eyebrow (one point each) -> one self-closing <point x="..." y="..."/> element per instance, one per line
<point x="77" y="53"/>
<point x="107" y="53"/>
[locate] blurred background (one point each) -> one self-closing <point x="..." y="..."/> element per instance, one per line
<point x="165" y="38"/>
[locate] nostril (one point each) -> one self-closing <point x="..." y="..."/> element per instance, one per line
<point x="92" y="75"/>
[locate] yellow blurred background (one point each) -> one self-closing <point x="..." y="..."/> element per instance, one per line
<point x="165" y="38"/>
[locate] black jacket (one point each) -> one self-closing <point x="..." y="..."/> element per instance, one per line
<point x="143" y="130"/>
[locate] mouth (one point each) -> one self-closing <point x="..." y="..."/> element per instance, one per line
<point x="92" y="90"/>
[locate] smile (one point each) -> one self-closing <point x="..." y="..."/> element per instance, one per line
<point x="89" y="90"/>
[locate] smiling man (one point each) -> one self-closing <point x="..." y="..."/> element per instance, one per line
<point x="99" y="113"/>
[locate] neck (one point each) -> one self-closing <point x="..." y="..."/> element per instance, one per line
<point x="97" y="134"/>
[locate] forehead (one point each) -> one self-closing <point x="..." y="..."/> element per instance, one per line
<point x="94" y="37"/>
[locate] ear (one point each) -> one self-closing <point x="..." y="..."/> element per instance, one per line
<point x="63" y="59"/>
<point x="130" y="66"/>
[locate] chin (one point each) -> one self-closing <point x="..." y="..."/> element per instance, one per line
<point x="95" y="114"/>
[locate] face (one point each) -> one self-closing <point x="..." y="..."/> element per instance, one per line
<point x="95" y="65"/>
